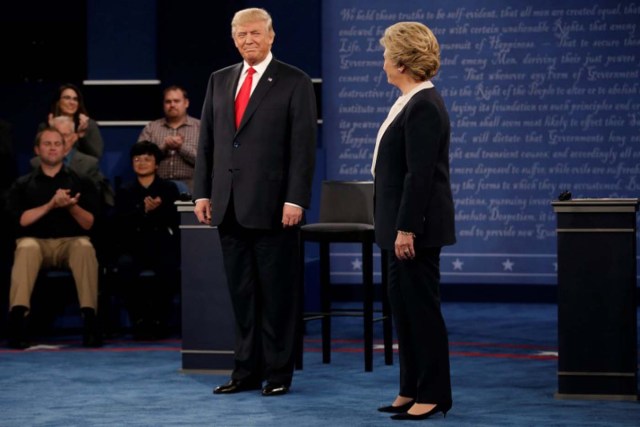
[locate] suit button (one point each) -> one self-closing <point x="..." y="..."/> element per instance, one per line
<point x="236" y="144"/>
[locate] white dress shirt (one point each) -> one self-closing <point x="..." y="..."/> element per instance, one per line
<point x="260" y="69"/>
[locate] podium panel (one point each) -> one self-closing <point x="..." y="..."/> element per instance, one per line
<point x="207" y="315"/>
<point x="597" y="314"/>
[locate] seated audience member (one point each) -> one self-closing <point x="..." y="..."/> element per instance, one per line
<point x="177" y="136"/>
<point x="70" y="102"/>
<point x="80" y="163"/>
<point x="8" y="174"/>
<point x="146" y="222"/>
<point x="53" y="209"/>
<point x="7" y="159"/>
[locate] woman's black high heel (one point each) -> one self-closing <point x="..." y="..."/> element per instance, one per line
<point x="396" y="409"/>
<point x="438" y="408"/>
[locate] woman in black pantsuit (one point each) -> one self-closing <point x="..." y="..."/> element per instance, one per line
<point x="414" y="217"/>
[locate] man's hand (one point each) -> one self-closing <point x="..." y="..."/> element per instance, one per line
<point x="291" y="215"/>
<point x="174" y="142"/>
<point x="62" y="199"/>
<point x="203" y="211"/>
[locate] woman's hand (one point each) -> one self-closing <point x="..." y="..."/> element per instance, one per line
<point x="84" y="124"/>
<point x="404" y="245"/>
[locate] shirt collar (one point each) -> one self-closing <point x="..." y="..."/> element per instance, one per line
<point x="69" y="156"/>
<point x="260" y="68"/>
<point x="38" y="172"/>
<point x="424" y="85"/>
<point x="188" y="122"/>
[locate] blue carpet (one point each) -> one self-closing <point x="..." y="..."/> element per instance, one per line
<point x="503" y="365"/>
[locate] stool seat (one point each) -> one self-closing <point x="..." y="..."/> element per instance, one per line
<point x="344" y="232"/>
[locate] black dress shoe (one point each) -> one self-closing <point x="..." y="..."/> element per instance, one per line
<point x="438" y="408"/>
<point x="236" y="386"/>
<point x="18" y="344"/>
<point x="17" y="327"/>
<point x="92" y="339"/>
<point x="274" y="389"/>
<point x="396" y="409"/>
<point x="91" y="335"/>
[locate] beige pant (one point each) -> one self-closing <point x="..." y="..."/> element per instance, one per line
<point x="75" y="253"/>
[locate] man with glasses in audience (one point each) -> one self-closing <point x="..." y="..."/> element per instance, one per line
<point x="148" y="239"/>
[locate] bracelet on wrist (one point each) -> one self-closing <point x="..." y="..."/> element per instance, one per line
<point x="407" y="233"/>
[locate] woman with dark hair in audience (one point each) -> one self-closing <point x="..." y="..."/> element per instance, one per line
<point x="70" y="102"/>
<point x="146" y="223"/>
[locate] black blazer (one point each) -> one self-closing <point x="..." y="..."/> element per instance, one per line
<point x="270" y="159"/>
<point x="412" y="188"/>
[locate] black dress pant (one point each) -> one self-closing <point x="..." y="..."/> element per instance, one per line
<point x="423" y="345"/>
<point x="262" y="275"/>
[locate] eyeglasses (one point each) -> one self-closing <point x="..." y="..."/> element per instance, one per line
<point x="69" y="98"/>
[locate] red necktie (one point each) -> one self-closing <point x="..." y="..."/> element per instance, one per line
<point x="243" y="95"/>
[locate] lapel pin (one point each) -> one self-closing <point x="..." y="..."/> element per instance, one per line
<point x="270" y="79"/>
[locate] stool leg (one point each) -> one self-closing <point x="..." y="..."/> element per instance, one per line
<point x="325" y="301"/>
<point x="387" y="331"/>
<point x="367" y="276"/>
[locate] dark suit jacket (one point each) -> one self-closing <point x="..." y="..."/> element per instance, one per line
<point x="412" y="187"/>
<point x="270" y="159"/>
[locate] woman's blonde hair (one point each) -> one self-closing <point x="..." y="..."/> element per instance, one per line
<point x="414" y="46"/>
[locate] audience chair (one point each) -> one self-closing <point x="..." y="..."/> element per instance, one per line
<point x="346" y="216"/>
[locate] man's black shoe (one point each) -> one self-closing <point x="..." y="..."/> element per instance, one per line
<point x="235" y="386"/>
<point x="18" y="328"/>
<point x="91" y="335"/>
<point x="92" y="339"/>
<point x="18" y="344"/>
<point x="274" y="389"/>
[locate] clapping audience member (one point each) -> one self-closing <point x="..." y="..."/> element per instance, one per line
<point x="69" y="102"/>
<point x="177" y="136"/>
<point x="146" y="221"/>
<point x="53" y="209"/>
<point x="8" y="174"/>
<point x="8" y="169"/>
<point x="80" y="163"/>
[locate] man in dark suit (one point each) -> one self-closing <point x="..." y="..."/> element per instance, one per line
<point x="253" y="180"/>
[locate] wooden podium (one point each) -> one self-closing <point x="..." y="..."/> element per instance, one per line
<point x="597" y="320"/>
<point x="207" y="315"/>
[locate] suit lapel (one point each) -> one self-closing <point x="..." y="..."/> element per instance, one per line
<point x="231" y="84"/>
<point x="266" y="82"/>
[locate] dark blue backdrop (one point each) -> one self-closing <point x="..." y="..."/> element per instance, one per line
<point x="542" y="99"/>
